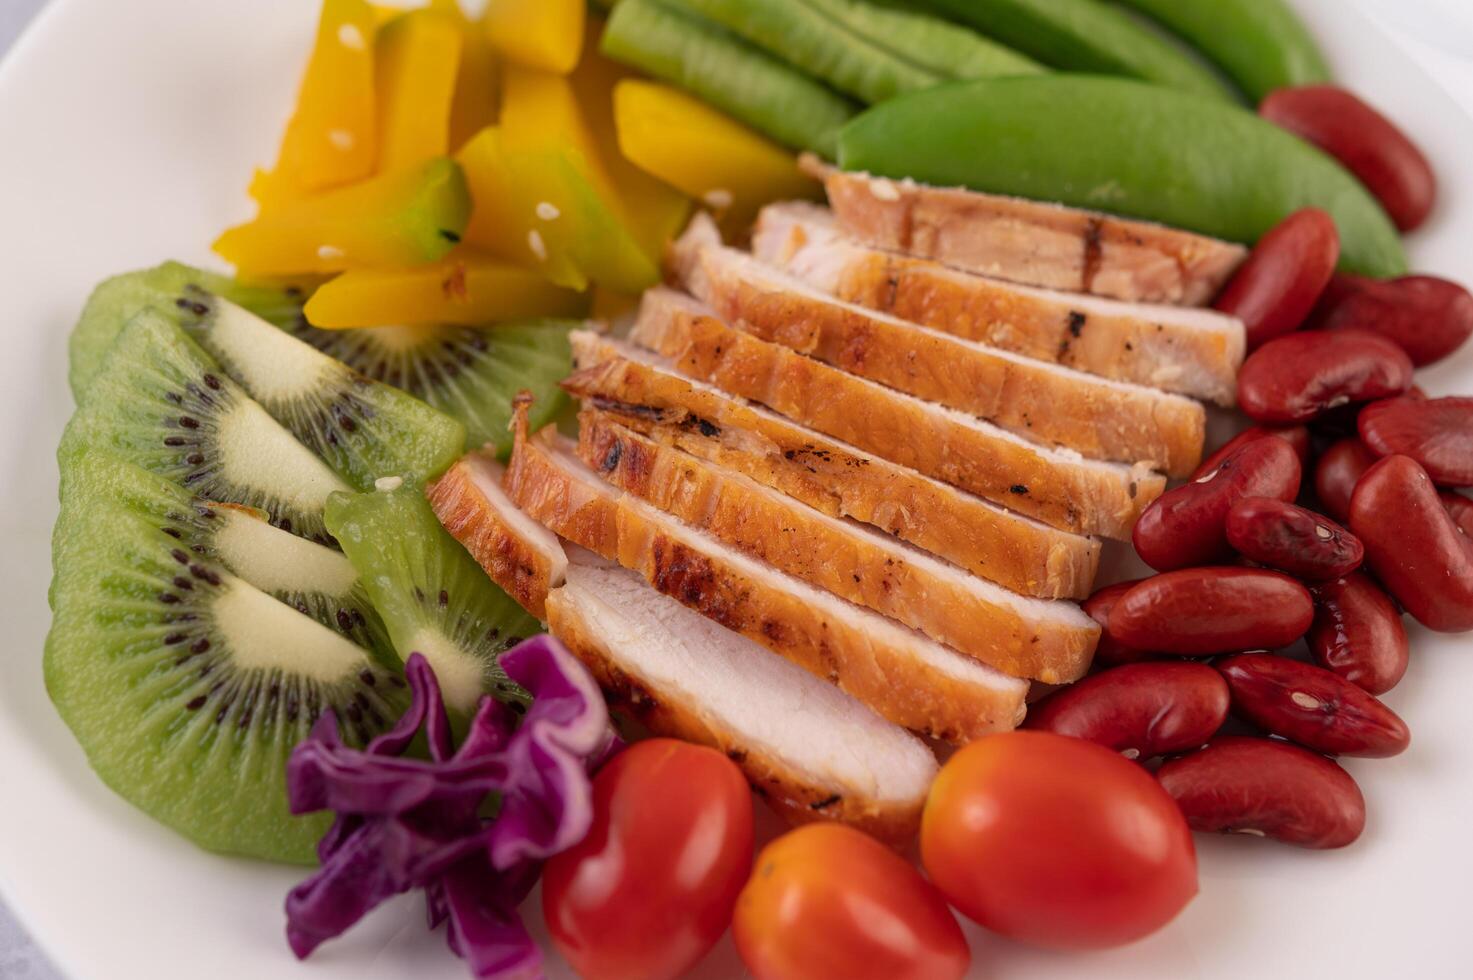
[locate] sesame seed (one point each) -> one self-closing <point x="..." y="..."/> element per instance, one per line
<point x="719" y="198"/>
<point x="388" y="483"/>
<point x="883" y="190"/>
<point x="329" y="252"/>
<point x="341" y="139"/>
<point x="537" y="245"/>
<point x="547" y="211"/>
<point x="349" y="36"/>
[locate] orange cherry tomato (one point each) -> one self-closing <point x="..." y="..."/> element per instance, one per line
<point x="651" y="888"/>
<point x="1057" y="842"/>
<point x="829" y="901"/>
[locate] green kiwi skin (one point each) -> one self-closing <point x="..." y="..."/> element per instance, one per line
<point x="143" y="670"/>
<point x="433" y="596"/>
<point x="91" y="475"/>
<point x="469" y="373"/>
<point x="163" y="404"/>
<point x="118" y="299"/>
<point x="362" y="428"/>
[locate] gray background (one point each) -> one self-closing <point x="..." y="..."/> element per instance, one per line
<point x="19" y="957"/>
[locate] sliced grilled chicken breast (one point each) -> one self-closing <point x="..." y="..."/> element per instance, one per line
<point x="835" y="477"/>
<point x="1057" y="486"/>
<point x="1047" y="640"/>
<point x="520" y="555"/>
<point x="812" y="751"/>
<point x="907" y="678"/>
<point x="1040" y="401"/>
<point x="1180" y="349"/>
<point x="1031" y="242"/>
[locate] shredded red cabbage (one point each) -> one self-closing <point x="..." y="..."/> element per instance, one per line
<point x="405" y="823"/>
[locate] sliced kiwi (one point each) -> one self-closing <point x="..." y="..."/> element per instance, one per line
<point x="118" y="299"/>
<point x="470" y="373"/>
<point x="433" y="596"/>
<point x="362" y="428"/>
<point x="166" y="405"/>
<point x="315" y="580"/>
<point x="187" y="687"/>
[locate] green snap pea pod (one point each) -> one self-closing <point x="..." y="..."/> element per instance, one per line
<point x="946" y="48"/>
<point x="1087" y="36"/>
<point x="1261" y="44"/>
<point x="1121" y="146"/>
<point x="807" y="38"/>
<point x="717" y="66"/>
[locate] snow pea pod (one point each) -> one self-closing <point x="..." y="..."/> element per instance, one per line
<point x="1087" y="36"/>
<point x="1118" y="145"/>
<point x="1261" y="44"/>
<point x="949" y="49"/>
<point x="745" y="82"/>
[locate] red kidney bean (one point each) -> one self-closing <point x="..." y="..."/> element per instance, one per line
<point x="1357" y="633"/>
<point x="1140" y="710"/>
<point x="1412" y="544"/>
<point x="1366" y="142"/>
<point x="1274" y="291"/>
<point x="1297" y="436"/>
<point x="1428" y="317"/>
<point x="1267" y="788"/>
<point x="1460" y="508"/>
<point x="1299" y="377"/>
<point x="1340" y="469"/>
<point x="1437" y="433"/>
<point x="1310" y="705"/>
<point x="1203" y="611"/>
<point x="1109" y="652"/>
<point x="1294" y="540"/>
<point x="1184" y="526"/>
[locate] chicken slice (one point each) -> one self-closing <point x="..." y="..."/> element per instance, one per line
<point x="1189" y="351"/>
<point x="1047" y="640"/>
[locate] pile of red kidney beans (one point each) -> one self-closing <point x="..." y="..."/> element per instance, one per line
<point x="1337" y="512"/>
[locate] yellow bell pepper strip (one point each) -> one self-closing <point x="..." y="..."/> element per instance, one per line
<point x="330" y="139"/>
<point x="543" y="34"/>
<point x="477" y="83"/>
<point x="708" y="155"/>
<point x="397" y="219"/>
<point x="654" y="211"/>
<point x="466" y="288"/>
<point x="536" y="207"/>
<point x="416" y="59"/>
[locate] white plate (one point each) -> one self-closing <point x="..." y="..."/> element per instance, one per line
<point x="127" y="133"/>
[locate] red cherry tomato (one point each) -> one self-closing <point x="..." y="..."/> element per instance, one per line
<point x="651" y="888"/>
<point x="1057" y="842"/>
<point x="828" y="901"/>
<point x="1276" y="289"/>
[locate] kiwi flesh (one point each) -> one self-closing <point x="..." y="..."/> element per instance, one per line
<point x="434" y="598"/>
<point x="315" y="580"/>
<point x="116" y="300"/>
<point x="363" y="429"/>
<point x="188" y="688"/>
<point x="166" y="405"/>
<point x="469" y="373"/>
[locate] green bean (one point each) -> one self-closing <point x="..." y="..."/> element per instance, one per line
<point x="748" y="84"/>
<point x="948" y="49"/>
<point x="1087" y="36"/>
<point x="1122" y="146"/>
<point x="1261" y="44"/>
<point x="809" y="40"/>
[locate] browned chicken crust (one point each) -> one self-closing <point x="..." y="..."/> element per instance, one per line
<point x="1048" y="641"/>
<point x="1032" y="242"/>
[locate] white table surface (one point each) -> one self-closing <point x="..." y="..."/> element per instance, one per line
<point x="1438" y="32"/>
